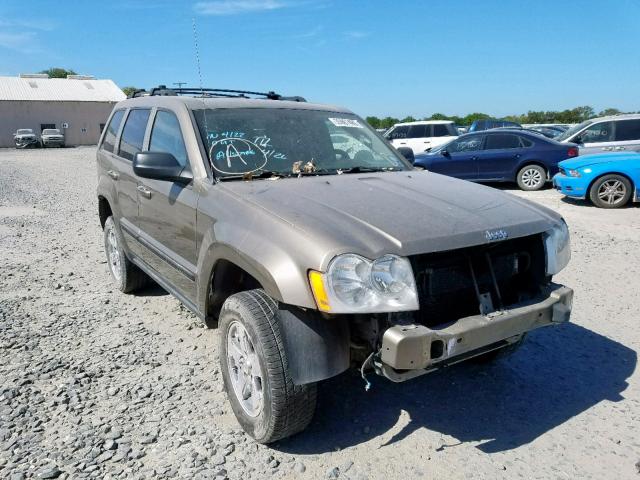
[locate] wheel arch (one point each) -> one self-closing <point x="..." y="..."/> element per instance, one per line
<point x="104" y="209"/>
<point x="526" y="163"/>
<point x="604" y="174"/>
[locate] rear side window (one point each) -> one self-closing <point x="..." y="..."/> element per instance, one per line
<point x="167" y="137"/>
<point x="399" y="132"/>
<point x="133" y="133"/>
<point x="627" y="130"/>
<point x="114" y="125"/>
<point x="418" y="131"/>
<point x="502" y="141"/>
<point x="525" y="142"/>
<point x="441" y="130"/>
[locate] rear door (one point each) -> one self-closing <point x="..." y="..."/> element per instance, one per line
<point x="501" y="152"/>
<point x="418" y="138"/>
<point x="167" y="214"/>
<point x="626" y="136"/>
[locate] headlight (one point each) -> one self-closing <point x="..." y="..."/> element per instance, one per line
<point x="557" y="247"/>
<point x="354" y="284"/>
<point x="573" y="173"/>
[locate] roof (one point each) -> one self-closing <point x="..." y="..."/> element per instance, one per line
<point x="59" y="90"/>
<point x="194" y="103"/>
<point x="425" y="122"/>
<point x="620" y="116"/>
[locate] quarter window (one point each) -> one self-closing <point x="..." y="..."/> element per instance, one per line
<point x="627" y="130"/>
<point x="599" y="132"/>
<point x="167" y="137"/>
<point x="502" y="141"/>
<point x="114" y="125"/>
<point x="133" y="133"/>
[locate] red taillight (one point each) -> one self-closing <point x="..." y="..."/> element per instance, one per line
<point x="573" y="152"/>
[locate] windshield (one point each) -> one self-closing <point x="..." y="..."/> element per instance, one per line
<point x="286" y="142"/>
<point x="573" y="130"/>
<point x="24" y="131"/>
<point x="51" y="131"/>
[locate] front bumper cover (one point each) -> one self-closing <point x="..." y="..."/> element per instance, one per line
<point x="411" y="350"/>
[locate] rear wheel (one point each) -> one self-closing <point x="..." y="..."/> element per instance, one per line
<point x="127" y="276"/>
<point x="531" y="177"/>
<point x="255" y="370"/>
<point x="610" y="191"/>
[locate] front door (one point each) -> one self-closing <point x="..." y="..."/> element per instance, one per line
<point x="597" y="138"/>
<point x="167" y="212"/>
<point x="459" y="158"/>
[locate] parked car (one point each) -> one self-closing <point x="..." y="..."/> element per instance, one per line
<point x="24" y="138"/>
<point x="549" y="132"/>
<point x="491" y="123"/>
<point x="609" y="180"/>
<point x="420" y="136"/>
<point x="52" y="136"/>
<point x="616" y="133"/>
<point x="307" y="260"/>
<point x="499" y="155"/>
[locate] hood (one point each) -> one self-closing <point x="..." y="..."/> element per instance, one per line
<point x="26" y="135"/>
<point x="405" y="213"/>
<point x="586" y="160"/>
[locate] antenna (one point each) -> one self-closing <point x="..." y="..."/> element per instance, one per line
<point x="204" y="109"/>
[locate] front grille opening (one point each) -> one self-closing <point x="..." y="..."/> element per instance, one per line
<point x="445" y="280"/>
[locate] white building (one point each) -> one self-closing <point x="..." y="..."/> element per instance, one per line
<point x="77" y="105"/>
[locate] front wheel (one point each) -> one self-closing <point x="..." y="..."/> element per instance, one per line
<point x="255" y="370"/>
<point x="610" y="191"/>
<point x="531" y="177"/>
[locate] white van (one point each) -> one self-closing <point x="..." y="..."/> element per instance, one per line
<point x="619" y="133"/>
<point x="423" y="135"/>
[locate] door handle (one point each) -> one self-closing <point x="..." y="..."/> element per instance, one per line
<point x="144" y="191"/>
<point x="619" y="148"/>
<point x="607" y="148"/>
<point x="113" y="174"/>
<point x="474" y="158"/>
<point x="517" y="155"/>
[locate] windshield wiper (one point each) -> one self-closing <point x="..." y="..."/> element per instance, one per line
<point x="260" y="174"/>
<point x="364" y="169"/>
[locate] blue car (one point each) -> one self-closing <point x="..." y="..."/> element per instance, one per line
<point x="501" y="155"/>
<point x="609" y="180"/>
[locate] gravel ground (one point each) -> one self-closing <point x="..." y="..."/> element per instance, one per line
<point x="95" y="383"/>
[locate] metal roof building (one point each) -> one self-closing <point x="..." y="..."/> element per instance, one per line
<point x="77" y="105"/>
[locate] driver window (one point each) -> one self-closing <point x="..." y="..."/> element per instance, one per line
<point x="167" y="137"/>
<point x="470" y="144"/>
<point x="599" y="132"/>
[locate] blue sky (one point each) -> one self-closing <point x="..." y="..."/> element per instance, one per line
<point x="376" y="57"/>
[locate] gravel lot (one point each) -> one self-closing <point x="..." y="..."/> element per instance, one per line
<point x="95" y="383"/>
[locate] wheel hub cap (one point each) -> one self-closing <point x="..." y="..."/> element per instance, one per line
<point x="245" y="372"/>
<point x="113" y="253"/>
<point x="531" y="178"/>
<point x="612" y="192"/>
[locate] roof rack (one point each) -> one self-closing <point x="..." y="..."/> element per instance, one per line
<point x="162" y="90"/>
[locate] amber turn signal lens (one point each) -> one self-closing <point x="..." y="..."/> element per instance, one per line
<point x="319" y="292"/>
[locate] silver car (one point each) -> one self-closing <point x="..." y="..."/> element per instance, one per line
<point x="52" y="136"/>
<point x="619" y="133"/>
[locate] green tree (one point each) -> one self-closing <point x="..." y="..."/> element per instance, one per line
<point x="129" y="90"/>
<point x="58" y="72"/>
<point x="408" y="119"/>
<point x="472" y="117"/>
<point x="388" y="122"/>
<point x="609" y="111"/>
<point x="438" y="116"/>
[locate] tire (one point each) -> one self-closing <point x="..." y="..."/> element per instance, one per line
<point x="610" y="191"/>
<point x="126" y="275"/>
<point x="531" y="178"/>
<point x="273" y="407"/>
<point x="503" y="352"/>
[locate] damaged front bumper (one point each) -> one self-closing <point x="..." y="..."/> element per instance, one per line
<point x="411" y="350"/>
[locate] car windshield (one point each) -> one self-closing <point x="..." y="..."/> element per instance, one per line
<point x="573" y="130"/>
<point x="51" y="131"/>
<point x="24" y="131"/>
<point x="274" y="141"/>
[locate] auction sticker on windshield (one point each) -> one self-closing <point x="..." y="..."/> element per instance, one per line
<point x="346" y="122"/>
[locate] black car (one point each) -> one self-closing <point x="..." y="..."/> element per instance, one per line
<point x="499" y="155"/>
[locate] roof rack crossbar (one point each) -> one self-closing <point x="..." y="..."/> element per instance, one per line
<point x="162" y="90"/>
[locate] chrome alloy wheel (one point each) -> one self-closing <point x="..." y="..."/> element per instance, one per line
<point x="612" y="192"/>
<point x="113" y="253"/>
<point x="531" y="177"/>
<point x="244" y="369"/>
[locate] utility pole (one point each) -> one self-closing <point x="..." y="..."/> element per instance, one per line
<point x="179" y="84"/>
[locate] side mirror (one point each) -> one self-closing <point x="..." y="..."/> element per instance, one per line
<point x="407" y="153"/>
<point x="445" y="153"/>
<point x="428" y="149"/>
<point x="160" y="166"/>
